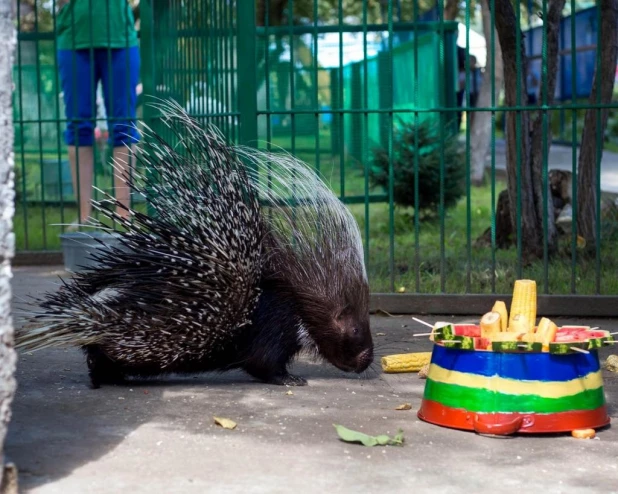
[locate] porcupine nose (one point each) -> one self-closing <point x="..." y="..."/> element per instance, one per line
<point x="364" y="360"/>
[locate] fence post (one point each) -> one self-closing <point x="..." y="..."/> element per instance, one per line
<point x="147" y="56"/>
<point x="356" y="132"/>
<point x="147" y="62"/>
<point x="337" y="120"/>
<point x="247" y="72"/>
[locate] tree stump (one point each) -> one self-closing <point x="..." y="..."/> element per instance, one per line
<point x="504" y="227"/>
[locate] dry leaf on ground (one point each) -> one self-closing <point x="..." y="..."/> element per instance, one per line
<point x="225" y="423"/>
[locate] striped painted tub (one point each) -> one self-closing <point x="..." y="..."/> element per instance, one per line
<point x="505" y="393"/>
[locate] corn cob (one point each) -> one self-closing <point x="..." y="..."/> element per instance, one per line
<point x="405" y="362"/>
<point x="490" y="324"/>
<point x="546" y="332"/>
<point x="500" y="308"/>
<point x="519" y="324"/>
<point x="524" y="303"/>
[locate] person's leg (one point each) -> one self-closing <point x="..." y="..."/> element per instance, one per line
<point x="75" y="76"/>
<point x="119" y="88"/>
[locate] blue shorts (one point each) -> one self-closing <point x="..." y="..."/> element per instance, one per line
<point x="80" y="72"/>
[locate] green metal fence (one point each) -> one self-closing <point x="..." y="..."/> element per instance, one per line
<point x="344" y="86"/>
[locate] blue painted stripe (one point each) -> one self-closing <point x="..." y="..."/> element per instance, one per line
<point x="522" y="366"/>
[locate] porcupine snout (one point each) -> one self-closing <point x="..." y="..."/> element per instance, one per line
<point x="364" y="360"/>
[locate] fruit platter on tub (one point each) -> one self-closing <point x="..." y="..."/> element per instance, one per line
<point x="509" y="375"/>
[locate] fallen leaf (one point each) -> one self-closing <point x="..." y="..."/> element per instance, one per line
<point x="611" y="364"/>
<point x="380" y="334"/>
<point x="225" y="423"/>
<point x="382" y="311"/>
<point x="289" y="393"/>
<point x="405" y="406"/>
<point x="351" y="436"/>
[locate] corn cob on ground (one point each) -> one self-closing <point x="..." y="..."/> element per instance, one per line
<point x="405" y="362"/>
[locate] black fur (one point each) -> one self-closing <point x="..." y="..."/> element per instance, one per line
<point x="263" y="349"/>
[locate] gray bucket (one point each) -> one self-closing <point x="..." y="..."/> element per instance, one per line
<point x="77" y="247"/>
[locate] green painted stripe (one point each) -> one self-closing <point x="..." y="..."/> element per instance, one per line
<point x="483" y="400"/>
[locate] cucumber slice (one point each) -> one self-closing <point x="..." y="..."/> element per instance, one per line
<point x="445" y="332"/>
<point x="516" y="346"/>
<point x="467" y="343"/>
<point x="565" y="348"/>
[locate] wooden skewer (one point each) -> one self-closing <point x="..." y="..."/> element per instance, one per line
<point x="596" y="327"/>
<point x="449" y="341"/>
<point x="423" y="334"/>
<point x="616" y="332"/>
<point x="575" y="349"/>
<point x="423" y="322"/>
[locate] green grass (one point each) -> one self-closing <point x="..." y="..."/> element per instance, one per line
<point x="457" y="268"/>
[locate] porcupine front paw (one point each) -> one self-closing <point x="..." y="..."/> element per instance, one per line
<point x="288" y="380"/>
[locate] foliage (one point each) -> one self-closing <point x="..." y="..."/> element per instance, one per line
<point x="423" y="142"/>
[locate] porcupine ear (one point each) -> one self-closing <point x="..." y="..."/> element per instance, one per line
<point x="315" y="238"/>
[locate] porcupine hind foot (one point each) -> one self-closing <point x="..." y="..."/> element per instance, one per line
<point x="101" y="369"/>
<point x="282" y="378"/>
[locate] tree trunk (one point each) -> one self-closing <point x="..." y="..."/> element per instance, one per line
<point x="480" y="132"/>
<point x="530" y="167"/>
<point x="275" y="12"/>
<point x="451" y="10"/>
<point x="589" y="162"/>
<point x="7" y="353"/>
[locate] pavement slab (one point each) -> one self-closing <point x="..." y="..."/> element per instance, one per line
<point x="158" y="436"/>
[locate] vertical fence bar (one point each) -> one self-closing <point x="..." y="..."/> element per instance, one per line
<point x="316" y="83"/>
<point x="469" y="118"/>
<point x="341" y="103"/>
<point x="24" y="200"/>
<point x="545" y="150"/>
<point x="267" y="70"/>
<point x="365" y="141"/>
<point x="40" y="128"/>
<point x="292" y="75"/>
<point x="57" y="120"/>
<point x="599" y="143"/>
<point x="441" y="208"/>
<point x="573" y="151"/>
<point x="391" y="171"/>
<point x="518" y="137"/>
<point x="147" y="62"/>
<point x="247" y="72"/>
<point x="492" y="50"/>
<point x="417" y="245"/>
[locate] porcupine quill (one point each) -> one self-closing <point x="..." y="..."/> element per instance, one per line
<point x="248" y="259"/>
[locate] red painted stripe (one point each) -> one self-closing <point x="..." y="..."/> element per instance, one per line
<point x="508" y="423"/>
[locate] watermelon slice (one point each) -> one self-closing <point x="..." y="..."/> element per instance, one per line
<point x="471" y="330"/>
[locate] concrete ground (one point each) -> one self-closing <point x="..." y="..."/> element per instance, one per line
<point x="159" y="436"/>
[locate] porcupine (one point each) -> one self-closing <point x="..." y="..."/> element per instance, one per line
<point x="248" y="259"/>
